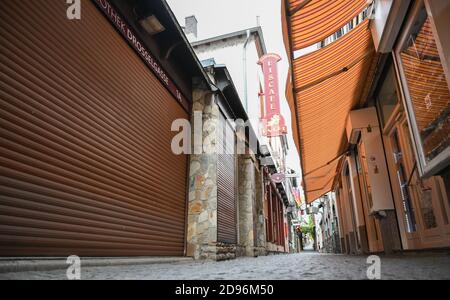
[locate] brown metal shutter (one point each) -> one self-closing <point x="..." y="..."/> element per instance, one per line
<point x="86" y="163"/>
<point x="226" y="185"/>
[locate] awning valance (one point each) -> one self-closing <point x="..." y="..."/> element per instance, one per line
<point x="326" y="85"/>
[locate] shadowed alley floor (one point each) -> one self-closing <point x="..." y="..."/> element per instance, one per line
<point x="307" y="265"/>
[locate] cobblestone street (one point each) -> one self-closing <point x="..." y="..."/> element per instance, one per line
<point x="275" y="267"/>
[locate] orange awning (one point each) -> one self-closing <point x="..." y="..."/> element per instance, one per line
<point x="328" y="84"/>
<point x="314" y="20"/>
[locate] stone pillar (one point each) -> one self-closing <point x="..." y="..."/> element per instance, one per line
<point x="246" y="205"/>
<point x="260" y="219"/>
<point x="202" y="206"/>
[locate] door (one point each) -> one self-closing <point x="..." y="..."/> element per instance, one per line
<point x="429" y="198"/>
<point x="372" y="224"/>
<point x="403" y="181"/>
<point x="86" y="160"/>
<point x="348" y="186"/>
<point x="424" y="201"/>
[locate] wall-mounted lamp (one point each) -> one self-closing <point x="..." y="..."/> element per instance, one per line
<point x="152" y="25"/>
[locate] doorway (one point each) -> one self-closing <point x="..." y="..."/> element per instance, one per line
<point x="372" y="224"/>
<point x="423" y="202"/>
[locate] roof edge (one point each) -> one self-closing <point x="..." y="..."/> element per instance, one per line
<point x="255" y="30"/>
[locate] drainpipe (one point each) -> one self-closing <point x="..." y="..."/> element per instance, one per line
<point x="244" y="58"/>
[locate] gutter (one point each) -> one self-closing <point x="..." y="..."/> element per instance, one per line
<point x="244" y="59"/>
<point x="254" y="30"/>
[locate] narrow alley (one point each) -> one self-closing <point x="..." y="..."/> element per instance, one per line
<point x="224" y="140"/>
<point x="300" y="266"/>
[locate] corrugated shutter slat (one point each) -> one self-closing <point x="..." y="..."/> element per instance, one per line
<point x="85" y="137"/>
<point x="226" y="186"/>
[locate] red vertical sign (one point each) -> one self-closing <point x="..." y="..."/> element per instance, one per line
<point x="273" y="122"/>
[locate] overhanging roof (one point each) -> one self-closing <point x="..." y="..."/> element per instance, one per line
<point x="255" y="30"/>
<point x="231" y="97"/>
<point x="326" y="84"/>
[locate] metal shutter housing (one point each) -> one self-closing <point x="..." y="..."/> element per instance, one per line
<point x="86" y="163"/>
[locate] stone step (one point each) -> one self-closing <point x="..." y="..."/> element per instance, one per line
<point x="8" y="265"/>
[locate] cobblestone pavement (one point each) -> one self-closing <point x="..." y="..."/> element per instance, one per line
<point x="291" y="266"/>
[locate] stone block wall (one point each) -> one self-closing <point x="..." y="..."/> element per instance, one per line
<point x="246" y="205"/>
<point x="202" y="206"/>
<point x="260" y="219"/>
<point x="225" y="251"/>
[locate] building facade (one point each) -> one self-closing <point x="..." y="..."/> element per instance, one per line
<point x="293" y="219"/>
<point x="262" y="202"/>
<point x="225" y="194"/>
<point x="390" y="173"/>
<point x="87" y="108"/>
<point x="415" y="84"/>
<point x="117" y="140"/>
<point x="328" y="225"/>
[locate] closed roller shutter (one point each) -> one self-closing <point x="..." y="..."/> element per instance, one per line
<point x="226" y="185"/>
<point x="86" y="163"/>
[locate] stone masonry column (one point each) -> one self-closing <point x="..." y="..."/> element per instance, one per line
<point x="246" y="205"/>
<point x="202" y="206"/>
<point x="260" y="219"/>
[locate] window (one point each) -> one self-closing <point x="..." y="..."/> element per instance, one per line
<point x="387" y="96"/>
<point x="428" y="96"/>
<point x="403" y="180"/>
<point x="422" y="188"/>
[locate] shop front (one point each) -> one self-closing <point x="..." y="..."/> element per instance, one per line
<point x="422" y="60"/>
<point x="390" y="172"/>
<point x="413" y="102"/>
<point x="274" y="212"/>
<point x="86" y="112"/>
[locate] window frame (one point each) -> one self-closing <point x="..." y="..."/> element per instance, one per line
<point x="441" y="161"/>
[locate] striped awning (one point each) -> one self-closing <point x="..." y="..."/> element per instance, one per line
<point x="314" y="20"/>
<point x="326" y="85"/>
